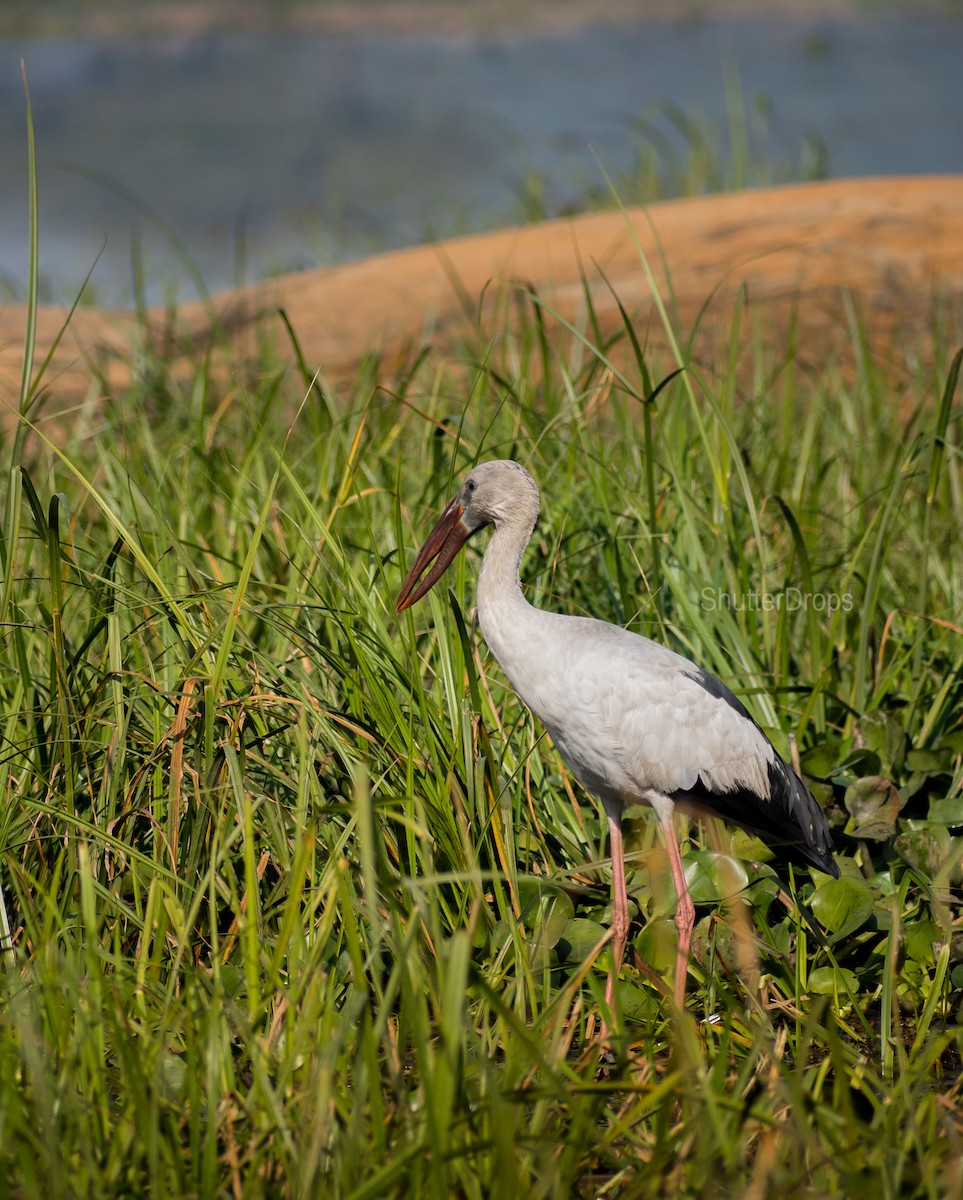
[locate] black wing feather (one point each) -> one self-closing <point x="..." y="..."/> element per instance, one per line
<point x="789" y="820"/>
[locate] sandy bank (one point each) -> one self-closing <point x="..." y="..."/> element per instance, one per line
<point x="795" y="253"/>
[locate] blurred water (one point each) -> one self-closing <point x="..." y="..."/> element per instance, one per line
<point x="250" y="154"/>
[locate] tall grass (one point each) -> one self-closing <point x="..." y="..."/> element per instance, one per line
<point x="298" y="900"/>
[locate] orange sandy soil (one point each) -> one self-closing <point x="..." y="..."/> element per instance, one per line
<point x="803" y="257"/>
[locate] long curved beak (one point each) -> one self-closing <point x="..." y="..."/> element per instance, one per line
<point x="443" y="543"/>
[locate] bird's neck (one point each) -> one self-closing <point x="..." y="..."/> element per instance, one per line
<point x="502" y="609"/>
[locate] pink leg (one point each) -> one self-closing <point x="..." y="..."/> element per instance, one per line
<point x="685" y="909"/>
<point x="620" y="904"/>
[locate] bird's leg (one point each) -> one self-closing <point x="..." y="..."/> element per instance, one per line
<point x="620" y="903"/>
<point x="684" y="911"/>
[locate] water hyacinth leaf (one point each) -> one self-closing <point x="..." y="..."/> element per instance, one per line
<point x="922" y="941"/>
<point x="751" y="851"/>
<point x="947" y="810"/>
<point x="924" y="847"/>
<point x="657" y="943"/>
<point x="882" y="733"/>
<point x="953" y="742"/>
<point x="533" y="890"/>
<point x="930" y="762"/>
<point x="855" y="765"/>
<point x="828" y="981"/>
<point x="823" y="792"/>
<point x="776" y="935"/>
<point x="873" y="804"/>
<point x="638" y="1004"/>
<point x="914" y="785"/>
<point x="649" y="883"/>
<point x="713" y="878"/>
<point x="579" y="939"/>
<point x="842" y="905"/>
<point x="819" y="760"/>
<point x="762" y="891"/>
<point x="723" y="939"/>
<point x="554" y="918"/>
<point x="481" y="937"/>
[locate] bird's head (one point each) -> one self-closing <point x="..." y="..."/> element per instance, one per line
<point x="493" y="493"/>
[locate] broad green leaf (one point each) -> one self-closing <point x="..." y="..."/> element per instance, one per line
<point x="842" y="905"/>
<point x="578" y="939"/>
<point x="658" y="943"/>
<point x="883" y="733"/>
<point x="554" y="918"/>
<point x="919" y="938"/>
<point x="751" y="850"/>
<point x="874" y="805"/>
<point x="828" y="981"/>
<point x="930" y="762"/>
<point x="952" y="742"/>
<point x="532" y="889"/>
<point x="820" y="759"/>
<point x="923" y="847"/>
<point x="855" y="765"/>
<point x="948" y="810"/>
<point x="714" y="877"/>
<point x="638" y="1004"/>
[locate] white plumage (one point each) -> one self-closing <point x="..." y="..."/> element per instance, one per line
<point x="636" y="722"/>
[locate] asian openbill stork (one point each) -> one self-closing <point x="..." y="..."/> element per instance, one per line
<point x="636" y="722"/>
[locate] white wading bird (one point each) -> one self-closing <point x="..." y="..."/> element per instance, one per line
<point x="637" y="723"/>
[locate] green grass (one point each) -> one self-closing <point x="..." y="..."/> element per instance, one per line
<point x="297" y="899"/>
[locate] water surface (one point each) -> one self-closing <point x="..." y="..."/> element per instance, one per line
<point x="249" y="154"/>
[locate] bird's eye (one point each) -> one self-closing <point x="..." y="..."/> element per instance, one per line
<point x="470" y="485"/>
